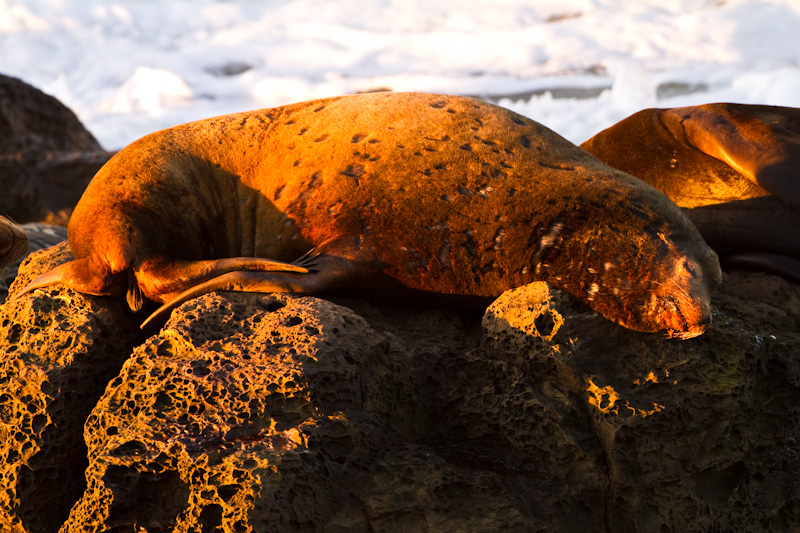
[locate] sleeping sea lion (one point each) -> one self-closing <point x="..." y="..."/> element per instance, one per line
<point x="392" y="191"/>
<point x="734" y="168"/>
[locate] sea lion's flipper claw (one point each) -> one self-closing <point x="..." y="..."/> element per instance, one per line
<point x="308" y="260"/>
<point x="134" y="294"/>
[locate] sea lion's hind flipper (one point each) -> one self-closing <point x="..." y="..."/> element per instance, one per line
<point x="332" y="272"/>
<point x="160" y="279"/>
<point x="783" y="265"/>
<point x="760" y="142"/>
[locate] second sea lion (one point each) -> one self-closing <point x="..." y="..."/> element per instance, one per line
<point x="13" y="242"/>
<point x="734" y="168"/>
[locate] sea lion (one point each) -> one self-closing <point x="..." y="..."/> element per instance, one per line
<point x="13" y="242"/>
<point x="733" y="168"/>
<point x="19" y="241"/>
<point x="439" y="194"/>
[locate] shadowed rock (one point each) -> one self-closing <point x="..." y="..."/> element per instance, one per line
<point x="251" y="412"/>
<point x="47" y="157"/>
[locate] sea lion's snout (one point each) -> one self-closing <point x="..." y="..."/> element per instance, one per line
<point x="684" y="318"/>
<point x="682" y="306"/>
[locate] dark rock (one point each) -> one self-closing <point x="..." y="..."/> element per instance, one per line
<point x="47" y="157"/>
<point x="253" y="412"/>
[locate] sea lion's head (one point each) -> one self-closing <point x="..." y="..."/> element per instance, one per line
<point x="679" y="295"/>
<point x="656" y="276"/>
<point x="660" y="283"/>
<point x="13" y="242"/>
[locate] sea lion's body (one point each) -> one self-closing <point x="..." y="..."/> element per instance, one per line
<point x="441" y="194"/>
<point x="733" y="168"/>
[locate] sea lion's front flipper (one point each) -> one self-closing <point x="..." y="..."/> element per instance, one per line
<point x="760" y="142"/>
<point x="82" y="275"/>
<point x="332" y="272"/>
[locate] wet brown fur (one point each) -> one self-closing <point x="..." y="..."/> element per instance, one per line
<point x="441" y="194"/>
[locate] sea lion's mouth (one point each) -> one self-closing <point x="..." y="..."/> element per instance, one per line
<point x="683" y="328"/>
<point x="685" y="335"/>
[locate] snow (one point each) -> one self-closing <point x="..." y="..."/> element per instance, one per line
<point x="129" y="67"/>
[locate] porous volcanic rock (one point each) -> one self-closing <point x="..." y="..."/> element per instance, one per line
<point x="254" y="412"/>
<point x="58" y="350"/>
<point x="47" y="157"/>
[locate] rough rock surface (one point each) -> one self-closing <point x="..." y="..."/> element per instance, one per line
<point x="47" y="157"/>
<point x="57" y="353"/>
<point x="250" y="412"/>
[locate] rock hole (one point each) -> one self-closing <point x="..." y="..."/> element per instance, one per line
<point x="544" y="324"/>
<point x="211" y="518"/>
<point x="226" y="492"/>
<point x="274" y="306"/>
<point x="132" y="447"/>
<point x="39" y="422"/>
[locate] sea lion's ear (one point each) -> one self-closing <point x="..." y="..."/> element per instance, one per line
<point x="134" y="294"/>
